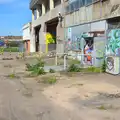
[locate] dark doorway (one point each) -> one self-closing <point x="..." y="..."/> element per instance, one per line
<point x="52" y="29"/>
<point x="37" y="31"/>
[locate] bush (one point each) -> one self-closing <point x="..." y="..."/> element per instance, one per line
<point x="74" y="68"/>
<point x="104" y="66"/>
<point x="36" y="69"/>
<point x="51" y="71"/>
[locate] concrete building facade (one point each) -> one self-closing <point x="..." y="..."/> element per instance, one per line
<point x="91" y="27"/>
<point x="26" y="37"/>
<point x="46" y="27"/>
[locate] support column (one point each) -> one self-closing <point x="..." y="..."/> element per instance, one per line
<point x="37" y="13"/>
<point x="32" y="40"/>
<point x="43" y="8"/>
<point x="42" y="38"/>
<point x="51" y="4"/>
<point x="33" y="15"/>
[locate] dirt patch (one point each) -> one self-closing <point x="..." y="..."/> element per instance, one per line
<point x="80" y="90"/>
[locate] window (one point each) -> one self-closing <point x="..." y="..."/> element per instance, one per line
<point x="47" y="5"/>
<point x="35" y="14"/>
<point x="82" y="3"/>
<point x="74" y="5"/>
<point x="87" y="2"/>
<point x="57" y="2"/>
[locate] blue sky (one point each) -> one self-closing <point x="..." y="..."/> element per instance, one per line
<point x="13" y="15"/>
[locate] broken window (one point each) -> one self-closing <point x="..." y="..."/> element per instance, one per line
<point x="57" y="2"/>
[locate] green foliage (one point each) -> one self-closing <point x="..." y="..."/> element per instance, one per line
<point x="93" y="69"/>
<point x="10" y="49"/>
<point x="51" y="80"/>
<point x="74" y="68"/>
<point x="51" y="71"/>
<point x="12" y="76"/>
<point x="102" y="107"/>
<point x="36" y="69"/>
<point x="104" y="65"/>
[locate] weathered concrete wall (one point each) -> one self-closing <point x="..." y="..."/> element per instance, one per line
<point x="94" y="12"/>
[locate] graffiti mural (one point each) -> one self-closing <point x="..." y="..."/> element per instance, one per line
<point x="50" y="39"/>
<point x="113" y="65"/>
<point x="110" y="64"/>
<point x="113" y="45"/>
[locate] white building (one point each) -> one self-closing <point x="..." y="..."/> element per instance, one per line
<point x="27" y="37"/>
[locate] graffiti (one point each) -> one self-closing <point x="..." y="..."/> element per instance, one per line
<point x="113" y="65"/>
<point x="113" y="46"/>
<point x="74" y="43"/>
<point x="50" y="38"/>
<point x="110" y="63"/>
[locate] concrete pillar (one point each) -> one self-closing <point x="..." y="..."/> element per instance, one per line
<point x="32" y="40"/>
<point x="42" y="38"/>
<point x="62" y="1"/>
<point x="43" y="8"/>
<point x="37" y="13"/>
<point x="51" y="4"/>
<point x="33" y="15"/>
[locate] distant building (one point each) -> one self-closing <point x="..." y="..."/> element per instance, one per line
<point x="26" y="37"/>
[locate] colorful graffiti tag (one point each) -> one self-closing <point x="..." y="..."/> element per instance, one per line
<point x="50" y="39"/>
<point x="113" y="45"/>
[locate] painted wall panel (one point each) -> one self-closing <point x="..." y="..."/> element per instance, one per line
<point x="113" y="42"/>
<point x="99" y="26"/>
<point x="89" y="12"/>
<point x="99" y="50"/>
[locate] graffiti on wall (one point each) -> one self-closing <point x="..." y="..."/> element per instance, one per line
<point x="113" y="45"/>
<point x="110" y="64"/>
<point x="74" y="43"/>
<point x="50" y="39"/>
<point x="113" y="65"/>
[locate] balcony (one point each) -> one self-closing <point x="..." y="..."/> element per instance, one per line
<point x="34" y="3"/>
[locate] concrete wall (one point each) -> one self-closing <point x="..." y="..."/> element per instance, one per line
<point x="93" y="12"/>
<point x="26" y="31"/>
<point x="53" y="13"/>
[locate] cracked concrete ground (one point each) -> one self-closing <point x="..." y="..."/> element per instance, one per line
<point x="82" y="97"/>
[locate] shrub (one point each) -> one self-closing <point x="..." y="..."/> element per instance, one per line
<point x="12" y="76"/>
<point x="104" y="65"/>
<point x="36" y="69"/>
<point x="51" y="71"/>
<point x="74" y="68"/>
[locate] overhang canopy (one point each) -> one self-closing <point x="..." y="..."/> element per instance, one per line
<point x="34" y="3"/>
